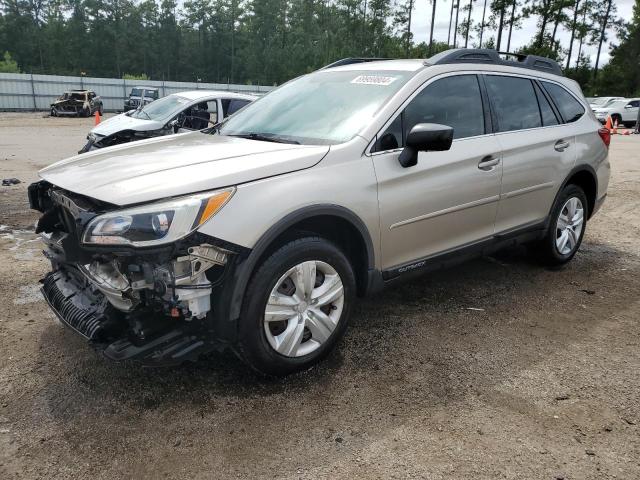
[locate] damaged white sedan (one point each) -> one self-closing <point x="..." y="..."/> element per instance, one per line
<point x="176" y="113"/>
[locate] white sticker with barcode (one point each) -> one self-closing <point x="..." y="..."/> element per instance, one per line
<point x="374" y="80"/>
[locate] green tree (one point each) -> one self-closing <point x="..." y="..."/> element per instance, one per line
<point x="8" y="65"/>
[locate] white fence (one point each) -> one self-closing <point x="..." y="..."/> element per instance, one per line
<point x="22" y="91"/>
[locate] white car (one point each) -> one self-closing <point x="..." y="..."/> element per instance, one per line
<point x="179" y="112"/>
<point x="625" y="112"/>
<point x="601" y="102"/>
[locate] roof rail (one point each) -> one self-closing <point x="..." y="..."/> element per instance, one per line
<point x="349" y="61"/>
<point x="488" y="56"/>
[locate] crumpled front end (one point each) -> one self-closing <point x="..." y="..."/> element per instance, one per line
<point x="151" y="305"/>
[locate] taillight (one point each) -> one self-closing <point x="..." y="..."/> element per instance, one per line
<point x="605" y="135"/>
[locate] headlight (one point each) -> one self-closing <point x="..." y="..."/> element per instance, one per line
<point x="157" y="223"/>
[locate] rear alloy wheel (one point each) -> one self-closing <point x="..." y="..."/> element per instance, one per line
<point x="566" y="227"/>
<point x="296" y="307"/>
<point x="569" y="226"/>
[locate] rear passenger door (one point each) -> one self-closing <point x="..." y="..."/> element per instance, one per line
<point x="537" y="149"/>
<point x="449" y="199"/>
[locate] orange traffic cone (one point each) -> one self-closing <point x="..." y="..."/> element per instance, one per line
<point x="615" y="128"/>
<point x="97" y="117"/>
<point x="608" y="124"/>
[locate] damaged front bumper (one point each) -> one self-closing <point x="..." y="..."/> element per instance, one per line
<point x="154" y="306"/>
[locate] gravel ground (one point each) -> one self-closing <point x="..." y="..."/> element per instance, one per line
<point x="496" y="369"/>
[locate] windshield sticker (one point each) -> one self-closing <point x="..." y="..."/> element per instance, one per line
<point x="374" y="80"/>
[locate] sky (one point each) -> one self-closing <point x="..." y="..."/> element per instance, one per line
<point x="421" y="21"/>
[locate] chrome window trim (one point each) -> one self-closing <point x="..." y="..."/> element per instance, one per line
<point x="428" y="82"/>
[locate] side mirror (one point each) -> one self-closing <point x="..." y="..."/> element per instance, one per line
<point x="425" y="137"/>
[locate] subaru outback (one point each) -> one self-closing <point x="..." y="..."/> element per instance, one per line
<point x="258" y="234"/>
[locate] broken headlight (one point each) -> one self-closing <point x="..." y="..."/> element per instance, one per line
<point x="156" y="223"/>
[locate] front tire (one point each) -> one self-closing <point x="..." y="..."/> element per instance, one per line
<point x="296" y="307"/>
<point x="566" y="227"/>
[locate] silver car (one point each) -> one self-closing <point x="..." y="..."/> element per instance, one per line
<point x="259" y="235"/>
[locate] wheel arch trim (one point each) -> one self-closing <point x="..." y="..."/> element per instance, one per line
<point x="243" y="273"/>
<point x="577" y="169"/>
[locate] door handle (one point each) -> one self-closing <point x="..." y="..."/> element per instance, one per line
<point x="488" y="163"/>
<point x="561" y="145"/>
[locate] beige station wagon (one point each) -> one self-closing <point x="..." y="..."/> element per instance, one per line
<point x="259" y="233"/>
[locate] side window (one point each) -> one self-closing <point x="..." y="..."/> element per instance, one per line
<point x="634" y="103"/>
<point x="515" y="102"/>
<point x="548" y="116"/>
<point x="230" y="106"/>
<point x="454" y="101"/>
<point x="570" y="109"/>
<point x="236" y="105"/>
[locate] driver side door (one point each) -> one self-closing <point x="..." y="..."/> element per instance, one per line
<point x="449" y="199"/>
<point x="195" y="117"/>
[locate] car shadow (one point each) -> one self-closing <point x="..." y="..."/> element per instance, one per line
<point x="430" y="334"/>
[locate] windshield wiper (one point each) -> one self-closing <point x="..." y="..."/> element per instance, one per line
<point x="265" y="137"/>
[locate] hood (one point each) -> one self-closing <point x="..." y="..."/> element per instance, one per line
<point x="601" y="110"/>
<point x="174" y="165"/>
<point x="124" y="122"/>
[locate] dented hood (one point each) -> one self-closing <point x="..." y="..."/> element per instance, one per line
<point x="180" y="164"/>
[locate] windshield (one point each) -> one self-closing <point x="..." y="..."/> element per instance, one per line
<point x="161" y="109"/>
<point x="325" y="107"/>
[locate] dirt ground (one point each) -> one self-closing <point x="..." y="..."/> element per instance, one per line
<point x="496" y="369"/>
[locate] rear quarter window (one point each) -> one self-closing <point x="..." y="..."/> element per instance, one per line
<point x="570" y="108"/>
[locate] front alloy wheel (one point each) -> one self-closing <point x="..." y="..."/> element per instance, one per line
<point x="304" y="308"/>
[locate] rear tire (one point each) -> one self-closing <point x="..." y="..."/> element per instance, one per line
<point x="296" y="307"/>
<point x="567" y="225"/>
